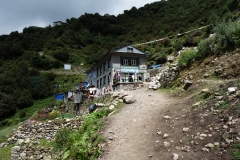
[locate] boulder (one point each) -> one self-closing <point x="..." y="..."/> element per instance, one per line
<point x="129" y="99"/>
<point x="99" y="104"/>
<point x="170" y="59"/>
<point x="187" y="84"/>
<point x="205" y="90"/>
<point x="115" y="94"/>
<point x="166" y="144"/>
<point x="16" y="148"/>
<point x="154" y="85"/>
<point x="175" y="156"/>
<point x="205" y="150"/>
<point x="122" y="94"/>
<point x="232" y="90"/>
<point x="111" y="107"/>
<point x="2" y="145"/>
<point x="23" y="155"/>
<point x="167" y="117"/>
<point x="209" y="145"/>
<point x="206" y="75"/>
<point x="186" y="129"/>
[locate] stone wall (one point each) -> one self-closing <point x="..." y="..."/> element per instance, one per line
<point x="27" y="136"/>
<point x="32" y="151"/>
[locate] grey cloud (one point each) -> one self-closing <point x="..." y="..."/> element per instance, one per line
<point x="17" y="14"/>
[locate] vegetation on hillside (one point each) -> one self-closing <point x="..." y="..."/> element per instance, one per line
<point x="86" y="38"/>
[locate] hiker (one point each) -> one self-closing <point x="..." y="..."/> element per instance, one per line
<point x="77" y="99"/>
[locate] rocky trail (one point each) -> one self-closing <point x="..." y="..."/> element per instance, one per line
<point x="137" y="131"/>
<point x="162" y="127"/>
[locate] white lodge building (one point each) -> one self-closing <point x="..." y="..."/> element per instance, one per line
<point x="119" y="68"/>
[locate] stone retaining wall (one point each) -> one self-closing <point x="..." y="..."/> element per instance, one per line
<point x="32" y="151"/>
<point x="27" y="136"/>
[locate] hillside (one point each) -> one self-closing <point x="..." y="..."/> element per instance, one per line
<point x="85" y="39"/>
<point x="202" y="38"/>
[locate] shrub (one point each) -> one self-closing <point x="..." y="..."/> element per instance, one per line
<point x="61" y="55"/>
<point x="227" y="35"/>
<point x="205" y="47"/>
<point x="186" y="58"/>
<point x="82" y="144"/>
<point x="160" y="58"/>
<point x="61" y="139"/>
<point x="22" y="113"/>
<point x="178" y="45"/>
<point x="54" y="114"/>
<point x="59" y="103"/>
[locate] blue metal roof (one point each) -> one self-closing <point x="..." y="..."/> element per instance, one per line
<point x="129" y="49"/>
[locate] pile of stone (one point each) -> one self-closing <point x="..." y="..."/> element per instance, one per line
<point x="40" y="130"/>
<point x="163" y="76"/>
<point x="32" y="151"/>
<point x="154" y="84"/>
<point x="122" y="96"/>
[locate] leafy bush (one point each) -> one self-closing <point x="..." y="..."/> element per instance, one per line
<point x="61" y="139"/>
<point x="59" y="103"/>
<point x="25" y="99"/>
<point x="22" y="113"/>
<point x="186" y="58"/>
<point x="227" y="35"/>
<point x="205" y="47"/>
<point x="178" y="45"/>
<point x="82" y="144"/>
<point x="159" y="58"/>
<point x="61" y="55"/>
<point x="54" y="114"/>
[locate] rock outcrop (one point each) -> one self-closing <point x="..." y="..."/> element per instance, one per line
<point x="163" y="76"/>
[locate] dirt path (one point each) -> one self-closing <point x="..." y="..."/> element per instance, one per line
<point x="133" y="132"/>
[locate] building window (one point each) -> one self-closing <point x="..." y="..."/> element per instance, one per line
<point x="130" y="50"/>
<point x="104" y="80"/>
<point x="101" y="70"/>
<point x="104" y="67"/>
<point x="133" y="62"/>
<point x="109" y="63"/>
<point x="109" y="76"/>
<point x="125" y="61"/>
<point x="100" y="82"/>
<point x="98" y="72"/>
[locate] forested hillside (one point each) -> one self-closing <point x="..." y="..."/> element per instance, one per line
<point x="86" y="38"/>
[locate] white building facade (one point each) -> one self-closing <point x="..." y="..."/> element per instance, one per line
<point x="119" y="68"/>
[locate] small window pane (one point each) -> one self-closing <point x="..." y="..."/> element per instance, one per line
<point x="125" y="61"/>
<point x="134" y="62"/>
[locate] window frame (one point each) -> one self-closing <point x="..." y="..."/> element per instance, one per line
<point x="129" y="50"/>
<point x="135" y="62"/>
<point x="125" y="61"/>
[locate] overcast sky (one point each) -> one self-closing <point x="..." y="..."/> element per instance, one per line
<point x="18" y="14"/>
